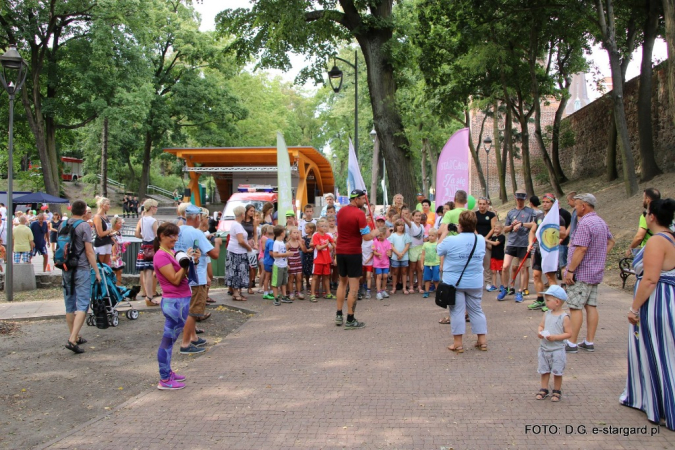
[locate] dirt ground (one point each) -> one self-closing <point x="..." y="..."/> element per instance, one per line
<point x="45" y="390"/>
<point x="621" y="214"/>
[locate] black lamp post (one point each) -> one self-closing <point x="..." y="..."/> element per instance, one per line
<point x="487" y="144"/>
<point x="335" y="76"/>
<point x="12" y="77"/>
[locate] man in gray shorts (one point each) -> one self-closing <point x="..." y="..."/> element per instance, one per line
<point x="588" y="250"/>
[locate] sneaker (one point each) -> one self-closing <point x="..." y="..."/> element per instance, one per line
<point x="432" y="288"/>
<point x="425" y="295"/>
<point x="379" y="296"/>
<point x="313" y="299"/>
<point x="385" y="294"/>
<point x="291" y="297"/>
<point x="199" y="342"/>
<point x="512" y="291"/>
<point x="329" y="296"/>
<point x="359" y="296"/>
<point x="538" y="304"/>
<point x="173" y="376"/>
<point x="299" y="296"/>
<point x="354" y="324"/>
<point x="502" y="293"/>
<point x="519" y="297"/>
<point x="526" y="292"/>
<point x="367" y="294"/>
<point x="339" y="320"/>
<point x="585" y="346"/>
<point x="286" y="300"/>
<point x="570" y="349"/>
<point x="268" y="297"/>
<point x="277" y="301"/>
<point x="170" y="385"/>
<point x="487" y="287"/>
<point x="191" y="350"/>
<point x="492" y="288"/>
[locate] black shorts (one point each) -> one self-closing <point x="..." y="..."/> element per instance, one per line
<point x="350" y="265"/>
<point x="516" y="252"/>
<point x="536" y="260"/>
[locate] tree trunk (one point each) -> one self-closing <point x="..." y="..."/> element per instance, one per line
<point x="555" y="141"/>
<point x="375" y="167"/>
<point x="497" y="150"/>
<point x="472" y="148"/>
<point x="423" y="164"/>
<point x="514" y="183"/>
<point x="553" y="179"/>
<point x="433" y="161"/>
<point x="644" y="104"/>
<point x="525" y="153"/>
<point x="104" y="159"/>
<point x="50" y="168"/>
<point x="506" y="152"/>
<point x="612" y="173"/>
<point x="145" y="170"/>
<point x="669" y="15"/>
<point x="382" y="87"/>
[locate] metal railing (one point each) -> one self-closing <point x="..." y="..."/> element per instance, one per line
<point x="160" y="191"/>
<point x="111" y="182"/>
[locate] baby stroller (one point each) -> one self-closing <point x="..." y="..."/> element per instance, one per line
<point x="107" y="297"/>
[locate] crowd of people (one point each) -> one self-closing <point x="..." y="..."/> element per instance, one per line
<point x="350" y="252"/>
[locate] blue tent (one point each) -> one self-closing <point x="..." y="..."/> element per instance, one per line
<point x="38" y="197"/>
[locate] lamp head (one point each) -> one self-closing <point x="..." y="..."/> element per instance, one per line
<point x="487" y="143"/>
<point x="335" y="77"/>
<point x="14" y="70"/>
<point x="373" y="134"/>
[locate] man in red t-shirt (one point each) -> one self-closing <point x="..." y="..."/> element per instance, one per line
<point x="351" y="221"/>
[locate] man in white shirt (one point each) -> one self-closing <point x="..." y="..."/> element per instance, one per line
<point x="330" y="201"/>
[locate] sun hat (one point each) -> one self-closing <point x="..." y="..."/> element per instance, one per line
<point x="586" y="198"/>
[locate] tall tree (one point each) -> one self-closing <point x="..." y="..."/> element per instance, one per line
<point x="669" y="15"/>
<point x="607" y="25"/>
<point x="315" y="28"/>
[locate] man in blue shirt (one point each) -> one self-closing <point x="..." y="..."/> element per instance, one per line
<point x="40" y="236"/>
<point x="191" y="237"/>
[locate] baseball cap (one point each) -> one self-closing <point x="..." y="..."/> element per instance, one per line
<point x="290" y="213"/>
<point x="556" y="291"/>
<point x="193" y="210"/>
<point x="356" y="193"/>
<point x="420" y="194"/>
<point x="587" y="198"/>
<point x="329" y="196"/>
<point x="380" y="218"/>
<point x="521" y="194"/>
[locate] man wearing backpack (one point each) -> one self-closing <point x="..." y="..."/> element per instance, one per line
<point x="77" y="282"/>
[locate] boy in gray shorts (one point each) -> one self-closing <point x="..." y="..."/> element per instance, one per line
<point x="554" y="328"/>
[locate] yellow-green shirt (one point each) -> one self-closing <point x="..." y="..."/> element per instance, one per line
<point x="430" y="254"/>
<point x="22" y="237"/>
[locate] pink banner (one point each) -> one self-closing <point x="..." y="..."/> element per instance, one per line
<point x="452" y="173"/>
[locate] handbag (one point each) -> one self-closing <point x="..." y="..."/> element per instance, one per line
<point x="148" y="250"/>
<point x="445" y="294"/>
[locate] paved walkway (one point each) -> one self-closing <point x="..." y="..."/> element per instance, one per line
<point x="289" y="378"/>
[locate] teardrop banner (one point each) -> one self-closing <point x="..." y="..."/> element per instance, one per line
<point x="285" y="199"/>
<point x="452" y="172"/>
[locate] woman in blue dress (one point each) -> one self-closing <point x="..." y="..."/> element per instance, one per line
<point x="651" y="343"/>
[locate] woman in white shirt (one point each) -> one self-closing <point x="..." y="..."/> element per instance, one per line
<point x="146" y="229"/>
<point x="237" y="267"/>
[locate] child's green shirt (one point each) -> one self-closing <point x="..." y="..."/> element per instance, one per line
<point x="430" y="254"/>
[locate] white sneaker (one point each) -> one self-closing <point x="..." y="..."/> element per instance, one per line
<point x="379" y="296"/>
<point x="488" y="287"/>
<point x="292" y="296"/>
<point x="385" y="294"/>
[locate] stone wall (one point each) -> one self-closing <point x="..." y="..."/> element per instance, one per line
<point x="591" y="125"/>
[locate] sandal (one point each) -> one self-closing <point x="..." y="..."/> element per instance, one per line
<point x="481" y="347"/>
<point x="210" y="300"/>
<point x="405" y="292"/>
<point x="250" y="291"/>
<point x="81" y="340"/>
<point x="198" y="331"/>
<point x="459" y="349"/>
<point x="74" y="348"/>
<point x="542" y="394"/>
<point x="149" y="302"/>
<point x="444" y="321"/>
<point x="393" y="291"/>
<point x="556" y="396"/>
<point x="238" y="298"/>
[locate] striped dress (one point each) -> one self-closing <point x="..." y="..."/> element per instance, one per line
<point x="295" y="260"/>
<point x="650" y="386"/>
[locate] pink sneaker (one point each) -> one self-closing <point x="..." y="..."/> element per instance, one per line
<point x="170" y="385"/>
<point x="175" y="377"/>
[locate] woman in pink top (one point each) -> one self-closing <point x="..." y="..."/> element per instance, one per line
<point x="176" y="294"/>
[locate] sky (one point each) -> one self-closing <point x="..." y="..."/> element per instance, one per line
<point x="598" y="59"/>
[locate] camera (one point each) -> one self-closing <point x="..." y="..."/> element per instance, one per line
<point x="452" y="228"/>
<point x="183" y="259"/>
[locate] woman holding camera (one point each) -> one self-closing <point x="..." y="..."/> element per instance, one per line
<point x="176" y="294"/>
<point x="456" y="265"/>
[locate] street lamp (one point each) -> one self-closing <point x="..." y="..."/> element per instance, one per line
<point x="487" y="144"/>
<point x="335" y="76"/>
<point x="12" y="77"/>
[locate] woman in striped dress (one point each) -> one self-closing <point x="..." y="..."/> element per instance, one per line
<point x="651" y="342"/>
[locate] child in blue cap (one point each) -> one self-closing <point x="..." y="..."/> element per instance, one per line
<point x="554" y="328"/>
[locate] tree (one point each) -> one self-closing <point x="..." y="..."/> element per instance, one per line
<point x="271" y="28"/>
<point x="669" y="15"/>
<point x="606" y="21"/>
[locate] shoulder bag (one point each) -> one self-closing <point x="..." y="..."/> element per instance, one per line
<point x="148" y="250"/>
<point x="445" y="294"/>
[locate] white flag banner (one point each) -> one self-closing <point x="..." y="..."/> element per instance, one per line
<point x="285" y="187"/>
<point x="354" y="178"/>
<point x="385" y="202"/>
<point x="548" y="235"/>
